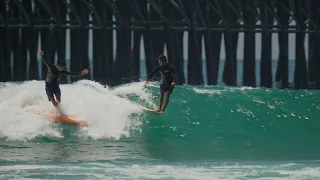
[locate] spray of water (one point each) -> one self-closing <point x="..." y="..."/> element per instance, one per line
<point x="108" y="114"/>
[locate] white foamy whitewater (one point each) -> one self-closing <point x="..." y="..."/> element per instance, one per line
<point x="108" y="114"/>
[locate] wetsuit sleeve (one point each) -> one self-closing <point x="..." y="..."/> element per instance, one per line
<point x="70" y="73"/>
<point x="154" y="71"/>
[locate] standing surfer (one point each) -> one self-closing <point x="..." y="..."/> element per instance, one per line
<point x="167" y="83"/>
<point x="52" y="79"/>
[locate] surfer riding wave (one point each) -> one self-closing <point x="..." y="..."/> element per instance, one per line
<point x="52" y="79"/>
<point x="167" y="83"/>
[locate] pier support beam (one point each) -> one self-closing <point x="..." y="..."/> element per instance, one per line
<point x="282" y="68"/>
<point x="79" y="39"/>
<point x="231" y="40"/>
<point x="174" y="40"/>
<point x="212" y="41"/>
<point x="314" y="43"/>
<point x="195" y="76"/>
<point x="5" y="68"/>
<point x="249" y="60"/>
<point x="103" y="44"/>
<point x="123" y="50"/>
<point x="300" y="74"/>
<point x="266" y="19"/>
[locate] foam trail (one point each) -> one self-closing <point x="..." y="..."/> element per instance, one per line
<point x="144" y="94"/>
<point x="108" y="115"/>
<point x="17" y="123"/>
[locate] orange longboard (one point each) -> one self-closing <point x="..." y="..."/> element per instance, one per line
<point x="63" y="119"/>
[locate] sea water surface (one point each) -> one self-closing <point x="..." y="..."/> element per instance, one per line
<point x="207" y="132"/>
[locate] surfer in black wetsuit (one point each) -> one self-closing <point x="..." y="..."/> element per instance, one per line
<point x="52" y="79"/>
<point x="167" y="82"/>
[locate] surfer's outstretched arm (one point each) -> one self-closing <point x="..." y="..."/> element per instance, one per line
<point x="152" y="73"/>
<point x="44" y="61"/>
<point x="83" y="72"/>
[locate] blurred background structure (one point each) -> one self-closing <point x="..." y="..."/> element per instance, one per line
<point x="110" y="34"/>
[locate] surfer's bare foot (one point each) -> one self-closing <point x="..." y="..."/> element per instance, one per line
<point x="54" y="103"/>
<point x="157" y="110"/>
<point x="58" y="99"/>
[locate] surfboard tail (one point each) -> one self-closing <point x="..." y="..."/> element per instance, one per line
<point x="63" y="119"/>
<point x="150" y="110"/>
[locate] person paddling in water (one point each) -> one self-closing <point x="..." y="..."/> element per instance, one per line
<point x="52" y="79"/>
<point x="167" y="82"/>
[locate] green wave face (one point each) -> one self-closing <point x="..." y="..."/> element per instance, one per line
<point x="200" y="123"/>
<point x="234" y="123"/>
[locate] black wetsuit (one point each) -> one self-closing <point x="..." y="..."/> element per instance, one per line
<point x="52" y="79"/>
<point x="168" y="76"/>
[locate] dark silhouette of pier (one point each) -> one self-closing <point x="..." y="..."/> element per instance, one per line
<point x="161" y="22"/>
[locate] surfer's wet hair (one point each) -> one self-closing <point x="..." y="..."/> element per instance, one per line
<point x="162" y="58"/>
<point x="61" y="63"/>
